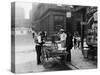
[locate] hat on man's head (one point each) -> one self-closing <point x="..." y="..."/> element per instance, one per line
<point x="61" y="29"/>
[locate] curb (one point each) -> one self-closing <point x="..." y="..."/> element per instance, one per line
<point x="73" y="67"/>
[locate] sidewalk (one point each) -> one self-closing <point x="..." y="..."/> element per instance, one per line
<point x="80" y="62"/>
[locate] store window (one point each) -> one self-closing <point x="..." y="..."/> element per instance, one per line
<point x="92" y="31"/>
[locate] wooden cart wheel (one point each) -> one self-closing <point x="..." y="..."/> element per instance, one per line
<point x="43" y="56"/>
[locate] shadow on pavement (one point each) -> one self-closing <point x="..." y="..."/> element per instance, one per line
<point x="55" y="65"/>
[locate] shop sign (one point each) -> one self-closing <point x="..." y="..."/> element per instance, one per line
<point x="68" y="14"/>
<point x="91" y="10"/>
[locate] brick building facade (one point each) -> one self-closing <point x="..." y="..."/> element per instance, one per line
<point x="52" y="17"/>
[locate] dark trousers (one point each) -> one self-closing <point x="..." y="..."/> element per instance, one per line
<point x="69" y="55"/>
<point x="38" y="51"/>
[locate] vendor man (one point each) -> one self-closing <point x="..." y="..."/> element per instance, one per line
<point x="63" y="37"/>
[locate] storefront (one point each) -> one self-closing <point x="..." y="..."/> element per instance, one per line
<point x="90" y="40"/>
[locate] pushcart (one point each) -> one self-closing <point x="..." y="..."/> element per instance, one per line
<point x="47" y="53"/>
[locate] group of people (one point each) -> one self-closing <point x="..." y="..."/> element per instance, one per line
<point x="39" y="40"/>
<point x="66" y="40"/>
<point x="76" y="40"/>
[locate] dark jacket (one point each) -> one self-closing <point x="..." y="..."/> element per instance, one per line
<point x="69" y="42"/>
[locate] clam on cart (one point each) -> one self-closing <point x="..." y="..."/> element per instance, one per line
<point x="47" y="53"/>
